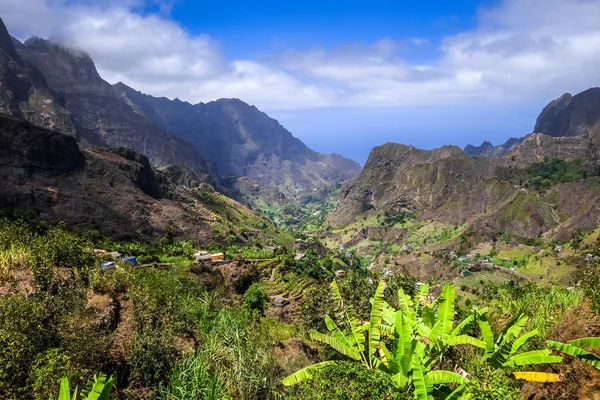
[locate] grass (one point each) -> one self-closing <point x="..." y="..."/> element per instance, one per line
<point x="12" y="259"/>
<point x="248" y="253"/>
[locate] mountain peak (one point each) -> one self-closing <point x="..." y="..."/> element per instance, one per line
<point x="6" y="43"/>
<point x="570" y="115"/>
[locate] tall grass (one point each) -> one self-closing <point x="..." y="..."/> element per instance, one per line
<point x="544" y="306"/>
<point x="234" y="358"/>
<point x="11" y="259"/>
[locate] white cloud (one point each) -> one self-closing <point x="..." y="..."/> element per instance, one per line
<point x="522" y="51"/>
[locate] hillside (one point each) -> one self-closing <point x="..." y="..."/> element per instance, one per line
<point x="476" y="193"/>
<point x="115" y="191"/>
<point x="242" y="141"/>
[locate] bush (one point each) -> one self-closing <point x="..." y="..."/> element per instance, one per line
<point x="590" y="283"/>
<point x="59" y="249"/>
<point x="152" y="356"/>
<point x="356" y="288"/>
<point x="492" y="384"/>
<point x="255" y="300"/>
<point x="23" y="335"/>
<point x="349" y="381"/>
<point x="48" y="369"/>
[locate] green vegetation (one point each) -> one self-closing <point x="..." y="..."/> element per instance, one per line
<point x="541" y="175"/>
<point x="173" y="329"/>
<point x="98" y="389"/>
<point x="421" y="333"/>
<point x="255" y="300"/>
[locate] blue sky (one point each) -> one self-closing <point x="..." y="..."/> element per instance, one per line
<point x="342" y="76"/>
<point x="269" y="26"/>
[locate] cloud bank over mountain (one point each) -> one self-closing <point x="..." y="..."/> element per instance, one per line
<point x="520" y="51"/>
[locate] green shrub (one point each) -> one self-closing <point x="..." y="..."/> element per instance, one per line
<point x="255" y="300"/>
<point x="48" y="369"/>
<point x="492" y="384"/>
<point x="590" y="283"/>
<point x="23" y="335"/>
<point x="357" y="288"/>
<point x="349" y="381"/>
<point x="152" y="356"/>
<point x="59" y="249"/>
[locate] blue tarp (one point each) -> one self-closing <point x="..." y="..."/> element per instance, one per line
<point x="110" y="264"/>
<point x="131" y="260"/>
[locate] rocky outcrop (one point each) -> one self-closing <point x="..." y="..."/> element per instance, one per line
<point x="571" y="115"/>
<point x="24" y="92"/>
<point x="101" y="117"/>
<point x="443" y="183"/>
<point x="567" y="116"/>
<point x="242" y="141"/>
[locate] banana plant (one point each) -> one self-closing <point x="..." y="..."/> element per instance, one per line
<point x="574" y="348"/>
<point x="349" y="342"/>
<point x="411" y="357"/>
<point x="504" y="351"/>
<point x="438" y="328"/>
<point x="98" y="389"/>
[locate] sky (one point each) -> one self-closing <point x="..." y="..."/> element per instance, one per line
<point x="343" y="76"/>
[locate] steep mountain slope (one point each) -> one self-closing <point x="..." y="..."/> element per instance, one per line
<point x="24" y="92"/>
<point x="475" y="193"/>
<point x="571" y="115"/>
<point x="244" y="142"/>
<point x="116" y="191"/>
<point x="101" y="117"/>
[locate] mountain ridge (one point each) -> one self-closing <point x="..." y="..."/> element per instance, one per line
<point x="565" y="116"/>
<point x="255" y="145"/>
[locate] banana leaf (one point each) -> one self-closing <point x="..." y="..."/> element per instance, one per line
<point x="305" y="373"/>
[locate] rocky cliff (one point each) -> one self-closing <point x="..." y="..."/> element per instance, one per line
<point x="101" y="117"/>
<point x="571" y="115"/>
<point x="566" y="116"/>
<point x="24" y="92"/>
<point x="488" y="150"/>
<point x="242" y="141"/>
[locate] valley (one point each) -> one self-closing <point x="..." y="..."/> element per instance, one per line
<point x="156" y="249"/>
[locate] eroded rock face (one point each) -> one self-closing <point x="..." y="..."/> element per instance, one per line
<point x="34" y="149"/>
<point x="101" y="117"/>
<point x="116" y="191"/>
<point x="24" y="92"/>
<point x="571" y="115"/>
